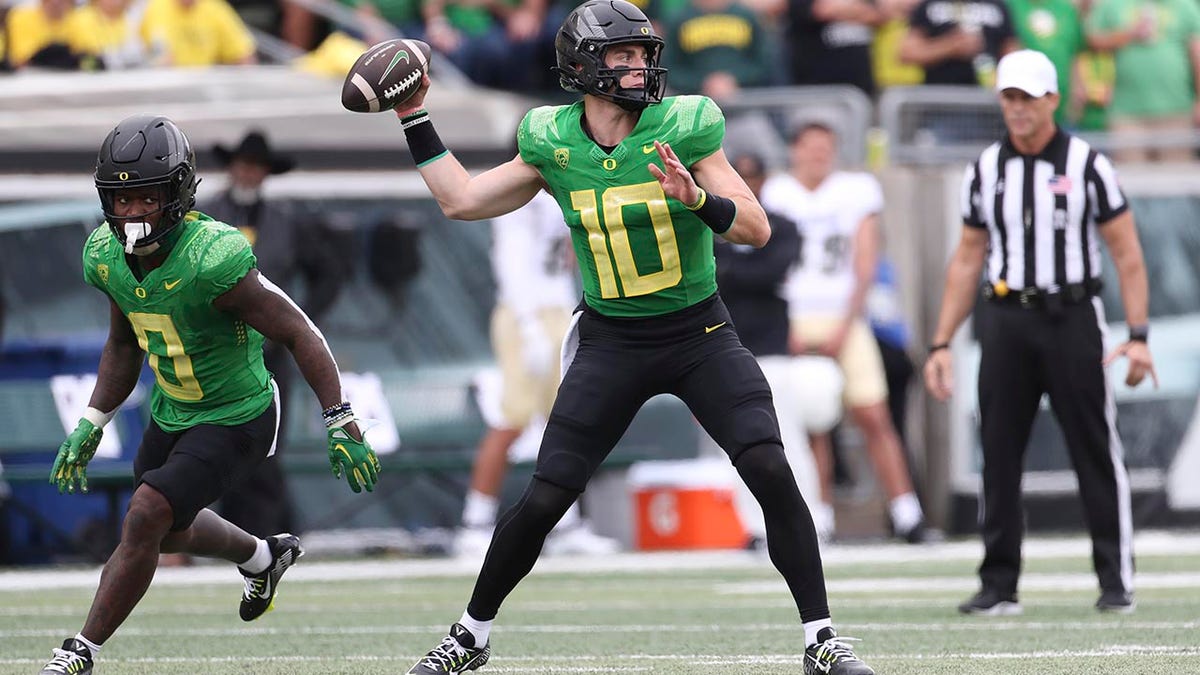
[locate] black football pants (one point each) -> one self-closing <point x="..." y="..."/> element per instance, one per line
<point x="1027" y="353"/>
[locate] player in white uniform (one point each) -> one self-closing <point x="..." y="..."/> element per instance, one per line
<point x="536" y="292"/>
<point x="838" y="213"/>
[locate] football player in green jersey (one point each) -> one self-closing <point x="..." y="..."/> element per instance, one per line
<point x="643" y="185"/>
<point x="183" y="289"/>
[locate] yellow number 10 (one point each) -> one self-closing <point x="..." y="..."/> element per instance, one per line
<point x="613" y="234"/>
<point x="188" y="387"/>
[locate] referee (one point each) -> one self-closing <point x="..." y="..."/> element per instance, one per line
<point x="1035" y="206"/>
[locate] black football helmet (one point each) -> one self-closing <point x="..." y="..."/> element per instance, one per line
<point x="147" y="150"/>
<point x="593" y="27"/>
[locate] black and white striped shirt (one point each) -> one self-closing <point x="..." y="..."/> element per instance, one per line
<point x="1041" y="211"/>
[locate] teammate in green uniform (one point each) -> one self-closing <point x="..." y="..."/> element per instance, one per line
<point x="643" y="185"/>
<point x="183" y="289"/>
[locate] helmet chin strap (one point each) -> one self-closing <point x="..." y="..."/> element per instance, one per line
<point x="134" y="232"/>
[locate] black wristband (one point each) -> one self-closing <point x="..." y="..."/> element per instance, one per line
<point x="1139" y="333"/>
<point x="423" y="140"/>
<point x="716" y="212"/>
<point x="938" y="347"/>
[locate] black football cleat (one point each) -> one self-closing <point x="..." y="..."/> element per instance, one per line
<point x="832" y="655"/>
<point x="456" y="654"/>
<point x="74" y="658"/>
<point x="258" y="598"/>
<point x="1116" y="602"/>
<point x="990" y="602"/>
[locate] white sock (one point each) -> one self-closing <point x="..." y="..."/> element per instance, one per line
<point x="480" y="629"/>
<point x="261" y="559"/>
<point x="92" y="646"/>
<point x="479" y="510"/>
<point x="811" y="628"/>
<point x="906" y="512"/>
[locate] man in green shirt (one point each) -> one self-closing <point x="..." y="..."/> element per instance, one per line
<point x="1053" y="28"/>
<point x="183" y="289"/>
<point x="643" y="186"/>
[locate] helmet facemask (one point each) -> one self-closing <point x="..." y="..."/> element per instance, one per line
<point x="143" y="233"/>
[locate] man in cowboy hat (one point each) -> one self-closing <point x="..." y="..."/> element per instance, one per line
<point x="287" y="244"/>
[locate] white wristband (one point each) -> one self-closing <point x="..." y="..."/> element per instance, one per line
<point x="98" y="418"/>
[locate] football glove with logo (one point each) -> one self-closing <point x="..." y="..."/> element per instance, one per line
<point x="355" y="459"/>
<point x="70" y="466"/>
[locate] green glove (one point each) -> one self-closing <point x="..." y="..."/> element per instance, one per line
<point x="353" y="458"/>
<point x="70" y="466"/>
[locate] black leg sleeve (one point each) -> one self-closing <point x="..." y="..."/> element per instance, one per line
<point x="791" y="537"/>
<point x="516" y="544"/>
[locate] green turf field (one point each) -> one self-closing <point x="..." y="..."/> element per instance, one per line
<point x="706" y="614"/>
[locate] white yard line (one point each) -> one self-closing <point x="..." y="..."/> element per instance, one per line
<point x="702" y="659"/>
<point x="969" y="625"/>
<point x="1146" y="544"/>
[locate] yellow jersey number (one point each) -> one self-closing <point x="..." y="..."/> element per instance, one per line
<point x="187" y="387"/>
<point x="612" y="235"/>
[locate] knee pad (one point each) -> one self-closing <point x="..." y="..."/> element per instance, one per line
<point x="766" y="460"/>
<point x="545" y="502"/>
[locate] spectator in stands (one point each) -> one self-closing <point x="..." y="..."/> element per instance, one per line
<point x="493" y="42"/>
<point x="105" y="30"/>
<point x="536" y="293"/>
<point x="35" y="26"/>
<point x="750" y="281"/>
<point x="830" y="41"/>
<point x="1097" y="80"/>
<point x="191" y="33"/>
<point x="887" y="66"/>
<point x="838" y="214"/>
<point x="1157" y="51"/>
<point x="382" y="18"/>
<point x="288" y="248"/>
<point x="959" y="42"/>
<point x="1054" y="28"/>
<point x="720" y="47"/>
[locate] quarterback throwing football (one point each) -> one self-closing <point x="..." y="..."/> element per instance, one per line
<point x="643" y="185"/>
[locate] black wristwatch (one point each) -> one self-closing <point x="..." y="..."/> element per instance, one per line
<point x="1139" y="333"/>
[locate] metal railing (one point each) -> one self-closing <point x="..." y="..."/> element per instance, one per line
<point x="938" y="124"/>
<point x="761" y="120"/>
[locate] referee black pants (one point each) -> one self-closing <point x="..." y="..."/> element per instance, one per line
<point x="1027" y="353"/>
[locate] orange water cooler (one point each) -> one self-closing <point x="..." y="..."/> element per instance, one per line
<point x="685" y="505"/>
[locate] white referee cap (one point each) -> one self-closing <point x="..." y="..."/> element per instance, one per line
<point x="1028" y="70"/>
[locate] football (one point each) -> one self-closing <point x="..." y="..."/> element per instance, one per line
<point x="385" y="76"/>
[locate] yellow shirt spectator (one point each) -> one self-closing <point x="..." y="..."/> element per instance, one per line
<point x="197" y="32"/>
<point x="101" y="28"/>
<point x="33" y="26"/>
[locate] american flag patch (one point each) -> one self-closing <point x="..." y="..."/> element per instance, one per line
<point x="1059" y="185"/>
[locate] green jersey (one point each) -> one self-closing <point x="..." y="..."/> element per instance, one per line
<point x="208" y="365"/>
<point x="640" y="253"/>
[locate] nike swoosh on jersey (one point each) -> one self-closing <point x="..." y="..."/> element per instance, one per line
<point x="171" y="284"/>
<point x="647" y="149"/>
<point x="709" y="329"/>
